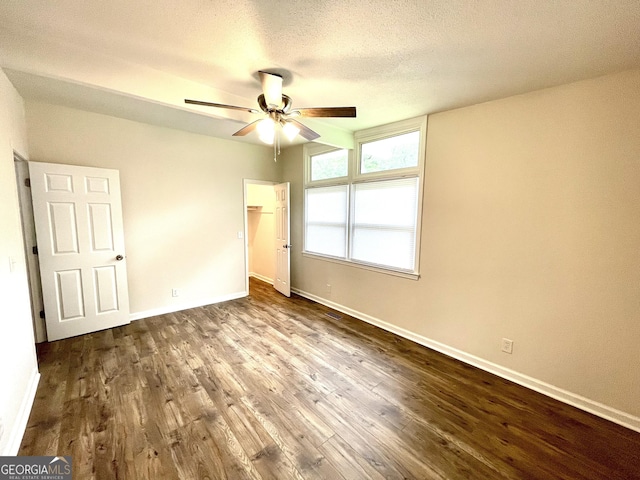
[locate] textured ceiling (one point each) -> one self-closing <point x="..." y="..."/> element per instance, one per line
<point x="391" y="59"/>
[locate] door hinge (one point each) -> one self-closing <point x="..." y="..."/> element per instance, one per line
<point x="27" y="182"/>
<point x="35" y="250"/>
<point x="41" y="313"/>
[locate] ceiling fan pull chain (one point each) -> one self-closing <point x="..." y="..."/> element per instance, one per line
<point x="276" y="144"/>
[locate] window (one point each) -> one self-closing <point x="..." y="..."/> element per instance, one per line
<point x="334" y="164"/>
<point x="384" y="222"/>
<point x="366" y="210"/>
<point x="390" y="153"/>
<point x="326" y="224"/>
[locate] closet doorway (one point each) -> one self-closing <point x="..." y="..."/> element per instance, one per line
<point x="260" y="230"/>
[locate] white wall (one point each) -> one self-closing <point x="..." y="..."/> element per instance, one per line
<point x="530" y="231"/>
<point x="182" y="198"/>
<point x="261" y="231"/>
<point x="18" y="364"/>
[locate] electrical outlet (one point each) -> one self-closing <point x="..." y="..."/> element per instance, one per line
<point x="328" y="288"/>
<point x="507" y="345"/>
<point x="175" y="292"/>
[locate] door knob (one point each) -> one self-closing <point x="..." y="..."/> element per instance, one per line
<point x="119" y="257"/>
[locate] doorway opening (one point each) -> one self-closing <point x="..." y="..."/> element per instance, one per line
<point x="260" y="256"/>
<point x="29" y="235"/>
<point x="74" y="247"/>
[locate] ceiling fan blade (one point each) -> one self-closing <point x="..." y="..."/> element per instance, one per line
<point x="220" y="105"/>
<point x="272" y="88"/>
<point x="325" y="112"/>
<point x="305" y="131"/>
<point x="247" y="129"/>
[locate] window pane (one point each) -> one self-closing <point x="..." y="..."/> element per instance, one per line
<point x="329" y="165"/>
<point x="390" y="153"/>
<point x="384" y="247"/>
<point x="326" y="220"/>
<point x="384" y="224"/>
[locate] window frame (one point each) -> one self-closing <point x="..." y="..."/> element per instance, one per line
<point x="388" y="131"/>
<point x="354" y="176"/>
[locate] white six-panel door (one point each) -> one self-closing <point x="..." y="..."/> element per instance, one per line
<point x="283" y="248"/>
<point x="78" y="218"/>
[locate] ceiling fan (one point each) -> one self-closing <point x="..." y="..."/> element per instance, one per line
<point x="280" y="116"/>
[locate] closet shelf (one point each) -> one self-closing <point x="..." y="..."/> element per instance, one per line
<point x="257" y="208"/>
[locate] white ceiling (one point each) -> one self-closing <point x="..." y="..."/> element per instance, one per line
<point x="391" y="59"/>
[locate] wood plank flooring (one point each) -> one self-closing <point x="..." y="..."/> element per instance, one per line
<point x="267" y="387"/>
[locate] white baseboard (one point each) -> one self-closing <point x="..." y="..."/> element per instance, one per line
<point x="184" y="306"/>
<point x="617" y="416"/>
<point x="261" y="277"/>
<point x="20" y="426"/>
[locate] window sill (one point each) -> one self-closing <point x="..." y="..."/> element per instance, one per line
<point x="364" y="266"/>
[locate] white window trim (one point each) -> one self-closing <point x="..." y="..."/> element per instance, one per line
<point x="363" y="266"/>
<point x="354" y="176"/>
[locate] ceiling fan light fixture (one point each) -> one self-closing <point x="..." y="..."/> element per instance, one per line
<point x="266" y="130"/>
<point x="272" y="88"/>
<point x="290" y="130"/>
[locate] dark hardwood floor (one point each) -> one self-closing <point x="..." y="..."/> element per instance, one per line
<point x="270" y="387"/>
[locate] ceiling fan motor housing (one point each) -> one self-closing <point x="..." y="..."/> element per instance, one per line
<point x="283" y="108"/>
